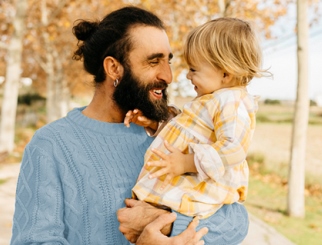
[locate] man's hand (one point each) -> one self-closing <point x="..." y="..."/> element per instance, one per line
<point x="134" y="218"/>
<point x="152" y="235"/>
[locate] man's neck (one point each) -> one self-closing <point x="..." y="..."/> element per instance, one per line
<point x="103" y="108"/>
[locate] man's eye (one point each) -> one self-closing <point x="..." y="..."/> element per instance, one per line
<point x="154" y="62"/>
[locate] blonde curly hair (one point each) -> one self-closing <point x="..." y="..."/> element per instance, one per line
<point x="229" y="44"/>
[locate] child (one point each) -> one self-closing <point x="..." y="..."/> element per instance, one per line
<point x="197" y="163"/>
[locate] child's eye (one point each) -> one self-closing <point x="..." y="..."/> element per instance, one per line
<point x="192" y="70"/>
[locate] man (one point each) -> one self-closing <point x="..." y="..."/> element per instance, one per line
<point x="77" y="172"/>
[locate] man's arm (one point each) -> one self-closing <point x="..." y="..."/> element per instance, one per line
<point x="38" y="198"/>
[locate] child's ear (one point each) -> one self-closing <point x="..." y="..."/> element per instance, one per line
<point x="112" y="67"/>
<point x="227" y="78"/>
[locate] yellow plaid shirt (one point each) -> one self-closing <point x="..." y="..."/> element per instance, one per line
<point x="217" y="128"/>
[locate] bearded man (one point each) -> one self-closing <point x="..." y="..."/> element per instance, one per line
<point x="77" y="171"/>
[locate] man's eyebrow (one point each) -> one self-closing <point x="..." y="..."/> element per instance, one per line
<point x="159" y="55"/>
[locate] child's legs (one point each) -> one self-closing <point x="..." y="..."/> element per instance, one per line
<point x="228" y="226"/>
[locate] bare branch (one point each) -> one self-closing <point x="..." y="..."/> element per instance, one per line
<point x="40" y="62"/>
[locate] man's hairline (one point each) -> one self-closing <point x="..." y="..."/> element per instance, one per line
<point x="131" y="40"/>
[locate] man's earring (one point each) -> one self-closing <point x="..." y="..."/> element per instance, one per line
<point x="116" y="82"/>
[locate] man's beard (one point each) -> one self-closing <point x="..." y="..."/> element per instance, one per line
<point x="132" y="94"/>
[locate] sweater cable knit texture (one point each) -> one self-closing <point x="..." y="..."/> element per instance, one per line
<point x="75" y="175"/>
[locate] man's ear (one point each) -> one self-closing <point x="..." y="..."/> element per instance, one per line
<point x="112" y="67"/>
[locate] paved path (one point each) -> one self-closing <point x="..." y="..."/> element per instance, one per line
<point x="8" y="173"/>
<point x="259" y="232"/>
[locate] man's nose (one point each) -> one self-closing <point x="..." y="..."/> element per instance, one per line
<point x="165" y="73"/>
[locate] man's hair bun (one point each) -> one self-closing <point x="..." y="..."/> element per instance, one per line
<point x="84" y="29"/>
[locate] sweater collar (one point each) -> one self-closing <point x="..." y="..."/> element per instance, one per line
<point x="77" y="117"/>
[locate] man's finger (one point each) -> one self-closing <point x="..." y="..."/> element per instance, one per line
<point x="130" y="202"/>
<point x="163" y="220"/>
<point x="194" y="223"/>
<point x="203" y="231"/>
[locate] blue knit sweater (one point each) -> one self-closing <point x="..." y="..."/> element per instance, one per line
<point x="76" y="173"/>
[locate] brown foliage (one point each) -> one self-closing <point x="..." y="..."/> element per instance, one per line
<point x="179" y="17"/>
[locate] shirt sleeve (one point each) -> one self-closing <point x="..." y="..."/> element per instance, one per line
<point x="38" y="217"/>
<point x="223" y="163"/>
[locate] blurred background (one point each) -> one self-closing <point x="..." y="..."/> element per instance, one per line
<point x="39" y="83"/>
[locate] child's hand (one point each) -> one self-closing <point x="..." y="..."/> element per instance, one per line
<point x="137" y="117"/>
<point x="174" y="164"/>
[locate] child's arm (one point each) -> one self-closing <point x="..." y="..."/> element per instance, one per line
<point x="173" y="164"/>
<point x="152" y="127"/>
<point x="137" y="117"/>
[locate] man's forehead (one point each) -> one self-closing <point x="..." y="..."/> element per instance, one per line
<point x="150" y="41"/>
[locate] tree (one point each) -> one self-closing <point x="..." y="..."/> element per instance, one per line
<point x="52" y="21"/>
<point x="13" y="75"/>
<point x="49" y="43"/>
<point x="296" y="201"/>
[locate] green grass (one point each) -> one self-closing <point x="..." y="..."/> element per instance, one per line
<point x="2" y="181"/>
<point x="267" y="199"/>
<point x="268" y="202"/>
<point x="284" y="113"/>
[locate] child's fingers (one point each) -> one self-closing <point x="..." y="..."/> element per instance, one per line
<point x="170" y="147"/>
<point x="128" y="118"/>
<point x="160" y="164"/>
<point x="144" y="120"/>
<point x="158" y="173"/>
<point x="166" y="181"/>
<point x="160" y="154"/>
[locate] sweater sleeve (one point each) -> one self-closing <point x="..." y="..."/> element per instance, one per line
<point x="38" y="217"/>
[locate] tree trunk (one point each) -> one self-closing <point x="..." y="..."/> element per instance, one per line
<point x="13" y="75"/>
<point x="222" y="8"/>
<point x="51" y="109"/>
<point x="296" y="200"/>
<point x="62" y="95"/>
